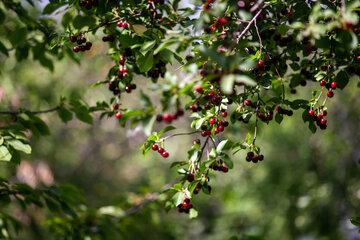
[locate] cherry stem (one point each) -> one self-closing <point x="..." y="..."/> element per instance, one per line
<point x="256" y="121"/>
<point x="318" y="98"/>
<point x="179" y="134"/>
<point x="256" y="6"/>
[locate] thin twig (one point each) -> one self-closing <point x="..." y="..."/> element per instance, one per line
<point x="257" y="31"/>
<point x="179" y="134"/>
<point x="343" y="7"/>
<point x="256" y="6"/>
<point x="256" y="121"/>
<point x="32" y="112"/>
<point x="250" y="23"/>
<point x="282" y="82"/>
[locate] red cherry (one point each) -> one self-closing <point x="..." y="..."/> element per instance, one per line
<point x="333" y="85"/>
<point x="208" y="132"/>
<point x="118" y="115"/>
<point x="322" y="83"/>
<point x="323" y="121"/>
<point x="128" y="89"/>
<point x="247" y="102"/>
<point x="222" y="21"/>
<point x="124" y="70"/>
<point x="119" y="24"/>
<point x="358" y="58"/>
<point x="167" y="117"/>
<point x="324" y="113"/>
<point x="260" y="64"/>
<point x="224" y="114"/>
<point x="212" y="121"/>
<point x="224" y="169"/>
<point x="212" y="28"/>
<point x="324" y="68"/>
<point x="73" y="39"/>
<point x="330" y="94"/>
<point x="186" y="205"/>
<point x="199" y="89"/>
<point x="204" y="133"/>
<point x="216" y="130"/>
<point x="289" y="13"/>
<point x="196" y="190"/>
<point x="124" y="25"/>
<point x="122" y="60"/>
<point x="155" y="147"/>
<point x="160" y="20"/>
<point x="192" y="108"/>
<point x="165" y="154"/>
<point x="311" y="112"/>
<point x="190" y="177"/>
<point x="319" y="116"/>
<point x="76" y="49"/>
<point x="161" y="150"/>
<point x="221" y="128"/>
<point x="116" y="106"/>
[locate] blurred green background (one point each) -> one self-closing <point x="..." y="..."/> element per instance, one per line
<point x="306" y="188"/>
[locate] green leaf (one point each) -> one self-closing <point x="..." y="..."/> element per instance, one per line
<point x="4" y="154"/>
<point x="227" y="83"/>
<point x="193" y="213"/>
<point x="146" y="47"/>
<point x="97" y="84"/>
<point x="18" y="37"/>
<point x="342" y="79"/>
<point x="3" y="49"/>
<point x="228" y="161"/>
<point x="278" y="118"/>
<point x="145" y="63"/>
<point x="20" y="146"/>
<point x="83" y="21"/>
<point x="51" y="7"/>
<point x="221" y="145"/>
<point x="355" y="221"/>
<point x="178" y="198"/>
<point x="167" y="129"/>
<point x="112" y="211"/>
<point x="64" y="114"/>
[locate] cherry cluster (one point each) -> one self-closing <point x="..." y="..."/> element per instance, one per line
<point x="160" y="150"/>
<point x="116" y="107"/>
<point x="80" y="40"/>
<point x="159" y="69"/>
<point x="319" y="118"/>
<point x="283" y="111"/>
<point x="252" y="157"/>
<point x="330" y="86"/>
<point x="219" y="166"/>
<point x="185" y="206"/>
<point x="89" y="4"/>
<point x="219" y="126"/>
<point x="168" y="118"/>
<point x="108" y="38"/>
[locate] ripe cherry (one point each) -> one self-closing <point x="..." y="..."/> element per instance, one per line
<point x="167" y="117"/>
<point x="322" y="83"/>
<point x="186" y="204"/>
<point x="212" y="121"/>
<point x="330" y="94"/>
<point x="260" y="63"/>
<point x="122" y="61"/>
<point x="224" y="169"/>
<point x="358" y="58"/>
<point x="161" y="150"/>
<point x="192" y="108"/>
<point x="124" y="70"/>
<point x="222" y="21"/>
<point x="323" y="121"/>
<point x="247" y="102"/>
<point x="116" y="106"/>
<point x="199" y="89"/>
<point x="216" y="131"/>
<point x="324" y="68"/>
<point x="118" y="115"/>
<point x="159" y="117"/>
<point x="204" y="133"/>
<point x="319" y="116"/>
<point x="124" y="25"/>
<point x="155" y="147"/>
<point x="128" y="89"/>
<point x="76" y="49"/>
<point x="324" y="113"/>
<point x="221" y="128"/>
<point x="73" y="39"/>
<point x="224" y="114"/>
<point x="333" y="85"/>
<point x="190" y="177"/>
<point x="311" y="112"/>
<point x="196" y="190"/>
<point x="165" y="154"/>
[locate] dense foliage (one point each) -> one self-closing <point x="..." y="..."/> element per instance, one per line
<point x="223" y="63"/>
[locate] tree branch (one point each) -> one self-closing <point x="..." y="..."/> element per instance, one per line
<point x="32" y="112"/>
<point x="179" y="134"/>
<point x="250" y="23"/>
